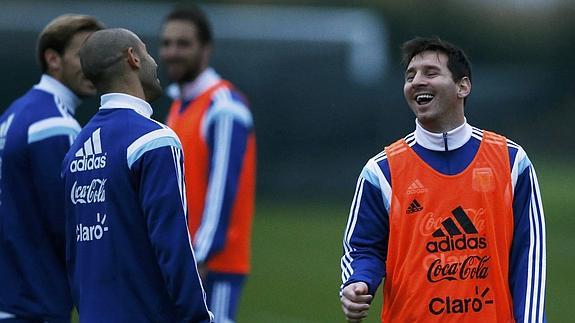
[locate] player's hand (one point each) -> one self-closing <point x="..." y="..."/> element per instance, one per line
<point x="355" y="301"/>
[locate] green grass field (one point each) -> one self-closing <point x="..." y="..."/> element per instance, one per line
<point x="296" y="251"/>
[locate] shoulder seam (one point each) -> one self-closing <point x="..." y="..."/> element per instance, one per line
<point x="155" y="139"/>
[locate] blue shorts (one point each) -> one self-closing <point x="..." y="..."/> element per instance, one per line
<point x="223" y="294"/>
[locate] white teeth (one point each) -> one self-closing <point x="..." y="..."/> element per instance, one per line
<point x="424" y="97"/>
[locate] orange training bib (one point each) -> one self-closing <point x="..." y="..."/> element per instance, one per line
<point x="450" y="238"/>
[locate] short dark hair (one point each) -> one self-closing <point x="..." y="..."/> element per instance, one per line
<point x="194" y="15"/>
<point x="60" y="31"/>
<point x="103" y="51"/>
<point x="457" y="61"/>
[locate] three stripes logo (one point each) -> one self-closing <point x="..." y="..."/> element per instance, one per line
<point x="90" y="156"/>
<point x="413" y="207"/>
<point x="452" y="228"/>
<point x="456" y="233"/>
<point x="416" y="187"/>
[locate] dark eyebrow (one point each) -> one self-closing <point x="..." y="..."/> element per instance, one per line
<point x="424" y="67"/>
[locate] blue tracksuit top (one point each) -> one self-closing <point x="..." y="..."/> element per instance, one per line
<point x="128" y="250"/>
<point x="35" y="133"/>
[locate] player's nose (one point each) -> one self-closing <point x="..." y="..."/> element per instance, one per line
<point x="418" y="80"/>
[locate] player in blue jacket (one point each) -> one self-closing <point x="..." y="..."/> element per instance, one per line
<point x="394" y="211"/>
<point x="36" y="131"/>
<point x="128" y="250"/>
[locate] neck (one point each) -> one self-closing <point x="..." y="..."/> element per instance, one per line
<point x="204" y="81"/>
<point x="190" y="79"/>
<point x="444" y="125"/>
<point x="439" y="128"/>
<point x="126" y="87"/>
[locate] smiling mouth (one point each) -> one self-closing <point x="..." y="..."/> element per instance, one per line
<point x="422" y="99"/>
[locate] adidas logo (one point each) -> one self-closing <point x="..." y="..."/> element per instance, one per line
<point x="452" y="228"/>
<point x="87" y="157"/>
<point x="4" y="130"/>
<point x="455" y="239"/>
<point x="413" y="207"/>
<point x="416" y="187"/>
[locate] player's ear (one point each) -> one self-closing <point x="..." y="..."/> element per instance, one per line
<point x="133" y="58"/>
<point x="463" y="87"/>
<point x="53" y="61"/>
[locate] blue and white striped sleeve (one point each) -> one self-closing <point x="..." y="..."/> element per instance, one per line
<point x="366" y="234"/>
<point x="156" y="162"/>
<point x="226" y="128"/>
<point x="527" y="266"/>
<point x="53" y="127"/>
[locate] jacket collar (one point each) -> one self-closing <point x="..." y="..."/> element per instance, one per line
<point x="193" y="89"/>
<point x="446" y="141"/>
<point x="51" y="85"/>
<point x="126" y="101"/>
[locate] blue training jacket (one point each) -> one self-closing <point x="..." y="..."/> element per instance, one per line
<point x="35" y="133"/>
<point x="128" y="250"/>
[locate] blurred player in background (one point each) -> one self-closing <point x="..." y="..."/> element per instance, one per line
<point x="215" y="125"/>
<point x="450" y="215"/>
<point x="129" y="254"/>
<point x="36" y="131"/>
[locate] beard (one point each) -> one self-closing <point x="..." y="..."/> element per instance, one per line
<point x="150" y="83"/>
<point x="152" y="90"/>
<point x="180" y="71"/>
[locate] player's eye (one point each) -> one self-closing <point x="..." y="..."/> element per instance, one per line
<point x="183" y="43"/>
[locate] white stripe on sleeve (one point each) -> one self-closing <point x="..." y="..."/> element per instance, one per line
<point x="536" y="267"/>
<point x="519" y="165"/>
<point x="346" y="260"/>
<point x="51" y="127"/>
<point x="216" y="188"/>
<point x="152" y="140"/>
<point x="225" y="104"/>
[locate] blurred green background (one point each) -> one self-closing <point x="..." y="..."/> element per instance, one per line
<point x="324" y="80"/>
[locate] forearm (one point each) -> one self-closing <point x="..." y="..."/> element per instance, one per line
<point x="365" y="239"/>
